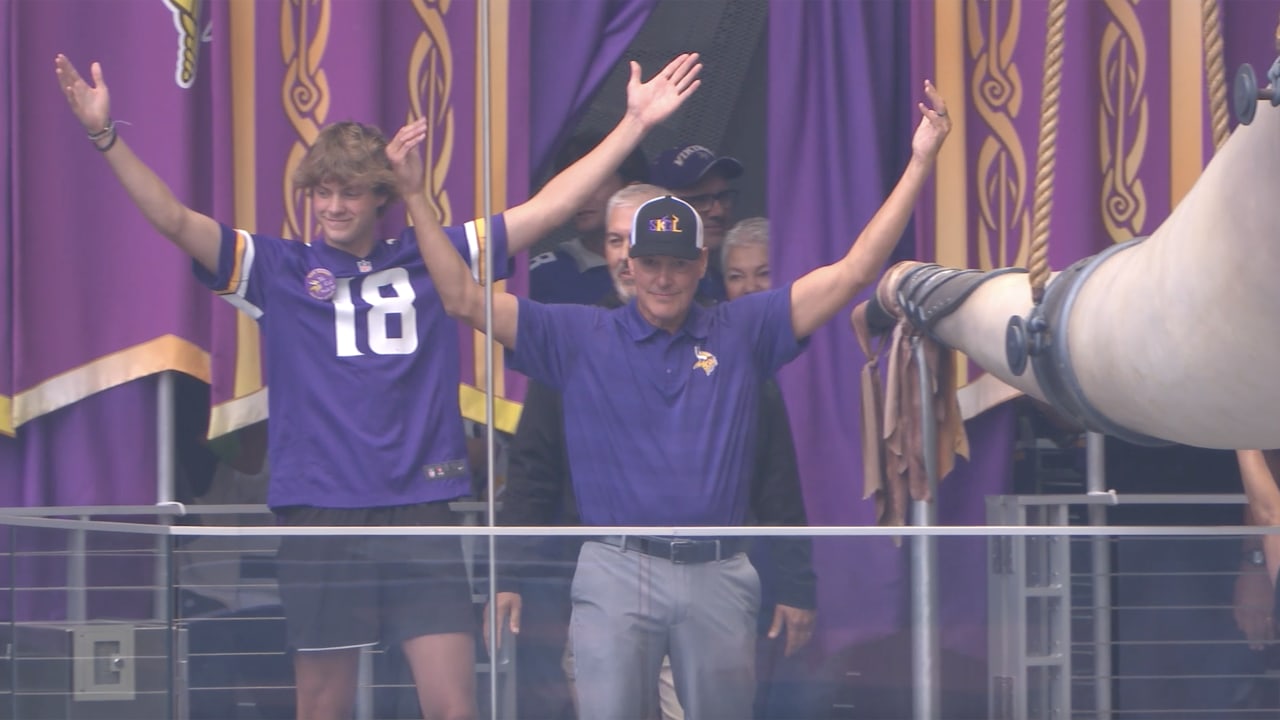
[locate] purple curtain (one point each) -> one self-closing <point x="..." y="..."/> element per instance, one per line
<point x="841" y="118"/>
<point x="574" y="45"/>
<point x="827" y="59"/>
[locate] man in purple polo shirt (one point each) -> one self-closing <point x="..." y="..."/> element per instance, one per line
<point x="670" y="445"/>
<point x="363" y="369"/>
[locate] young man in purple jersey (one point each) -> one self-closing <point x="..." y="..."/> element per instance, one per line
<point x="362" y="363"/>
<point x="671" y="444"/>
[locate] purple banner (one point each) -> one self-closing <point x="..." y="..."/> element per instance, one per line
<point x="6" y="213"/>
<point x="222" y="105"/>
<point x="100" y="298"/>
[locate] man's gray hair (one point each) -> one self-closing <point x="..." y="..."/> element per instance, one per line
<point x="751" y="231"/>
<point x="634" y="196"/>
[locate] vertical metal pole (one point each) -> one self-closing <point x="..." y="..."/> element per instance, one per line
<point x="1100" y="550"/>
<point x="166" y="438"/>
<point x="486" y="123"/>
<point x="166" y="453"/>
<point x="77" y="575"/>
<point x="925" y="656"/>
<point x="166" y="467"/>
<point x="364" y="685"/>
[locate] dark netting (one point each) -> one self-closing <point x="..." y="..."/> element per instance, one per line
<point x="727" y="112"/>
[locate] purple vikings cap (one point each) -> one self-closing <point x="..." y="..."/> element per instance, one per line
<point x="666" y="226"/>
<point x="683" y="166"/>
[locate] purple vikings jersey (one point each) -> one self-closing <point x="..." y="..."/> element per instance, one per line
<point x="361" y="365"/>
<point x="570" y="274"/>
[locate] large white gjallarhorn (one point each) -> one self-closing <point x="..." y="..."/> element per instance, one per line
<point x="1176" y="337"/>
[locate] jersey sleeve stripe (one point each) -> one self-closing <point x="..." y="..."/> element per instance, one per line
<point x="241" y="260"/>
<point x="238" y="283"/>
<point x="475" y="246"/>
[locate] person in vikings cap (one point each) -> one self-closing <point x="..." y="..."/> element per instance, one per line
<point x="660" y="399"/>
<point x="698" y="176"/>
<point x="362" y="362"/>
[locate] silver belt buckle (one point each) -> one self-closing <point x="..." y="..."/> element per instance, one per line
<point x="682" y="551"/>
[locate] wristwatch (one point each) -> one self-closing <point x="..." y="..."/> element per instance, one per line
<point x="1255" y="558"/>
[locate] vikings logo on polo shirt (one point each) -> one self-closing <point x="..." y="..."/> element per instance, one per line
<point x="706" y="362"/>
<point x="320" y="284"/>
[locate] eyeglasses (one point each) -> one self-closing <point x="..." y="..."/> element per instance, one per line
<point x="702" y="203"/>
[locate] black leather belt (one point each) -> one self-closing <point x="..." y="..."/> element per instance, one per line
<point x="681" y="551"/>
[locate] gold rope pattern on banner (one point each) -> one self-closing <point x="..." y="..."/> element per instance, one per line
<point x="1215" y="70"/>
<point x="1047" y="150"/>
<point x="1124" y="120"/>
<point x="430" y="78"/>
<point x="305" y="96"/>
<point x="1001" y="168"/>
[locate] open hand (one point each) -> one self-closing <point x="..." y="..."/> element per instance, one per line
<point x="654" y="101"/>
<point x="798" y="625"/>
<point x="91" y="104"/>
<point x="507" y="609"/>
<point x="933" y="127"/>
<point x="406" y="160"/>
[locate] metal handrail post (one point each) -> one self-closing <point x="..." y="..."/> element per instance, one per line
<point x="1100" y="551"/>
<point x="925" y="656"/>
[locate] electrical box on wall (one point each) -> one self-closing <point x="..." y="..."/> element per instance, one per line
<point x="93" y="671"/>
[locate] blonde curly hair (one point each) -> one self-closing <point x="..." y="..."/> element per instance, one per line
<point x="348" y="153"/>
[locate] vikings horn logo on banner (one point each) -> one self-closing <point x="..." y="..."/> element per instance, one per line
<point x="186" y="20"/>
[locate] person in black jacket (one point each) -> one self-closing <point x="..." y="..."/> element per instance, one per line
<point x="534" y="573"/>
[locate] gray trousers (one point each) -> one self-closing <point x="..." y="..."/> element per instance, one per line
<point x="630" y="610"/>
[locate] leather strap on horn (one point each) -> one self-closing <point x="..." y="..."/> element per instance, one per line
<point x="893" y="436"/>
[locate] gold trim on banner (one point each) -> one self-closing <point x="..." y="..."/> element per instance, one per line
<point x="430" y="77"/>
<point x="248" y="401"/>
<point x="237" y="413"/>
<point x="1123" y="120"/>
<point x="6" y="416"/>
<point x="167" y="352"/>
<point x="506" y="413"/>
<point x="951" y="192"/>
<point x="499" y="30"/>
<point x="985" y="392"/>
<point x="1186" y="99"/>
<point x="1001" y="171"/>
<point x="305" y="97"/>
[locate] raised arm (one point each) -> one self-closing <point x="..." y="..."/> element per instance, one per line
<point x="819" y="295"/>
<point x="198" y="235"/>
<point x="647" y="105"/>
<point x="462" y="296"/>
